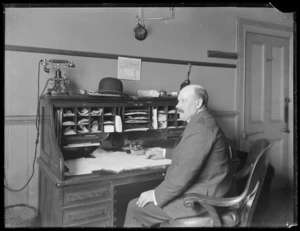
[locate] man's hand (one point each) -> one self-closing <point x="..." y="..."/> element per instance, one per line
<point x="145" y="198"/>
<point x="154" y="153"/>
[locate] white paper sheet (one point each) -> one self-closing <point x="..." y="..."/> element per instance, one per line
<point x="154" y="118"/>
<point x="118" y="124"/>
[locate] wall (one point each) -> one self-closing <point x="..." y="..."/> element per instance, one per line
<point x="188" y="36"/>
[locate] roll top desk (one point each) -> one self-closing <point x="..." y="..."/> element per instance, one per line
<point x="73" y="127"/>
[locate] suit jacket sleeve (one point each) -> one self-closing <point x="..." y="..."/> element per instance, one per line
<point x="188" y="158"/>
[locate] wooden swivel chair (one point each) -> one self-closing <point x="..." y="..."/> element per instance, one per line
<point x="237" y="211"/>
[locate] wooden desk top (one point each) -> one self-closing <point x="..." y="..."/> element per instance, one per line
<point x="126" y="177"/>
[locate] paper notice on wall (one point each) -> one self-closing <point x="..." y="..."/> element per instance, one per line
<point x="129" y="68"/>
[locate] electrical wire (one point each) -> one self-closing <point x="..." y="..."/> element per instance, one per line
<point x="37" y="124"/>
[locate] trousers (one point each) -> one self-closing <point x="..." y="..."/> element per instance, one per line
<point x="148" y="216"/>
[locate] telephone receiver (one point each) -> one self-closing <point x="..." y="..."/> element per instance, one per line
<point x="56" y="63"/>
<point x="187" y="81"/>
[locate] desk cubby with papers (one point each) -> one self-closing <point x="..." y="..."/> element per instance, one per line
<point x="87" y="124"/>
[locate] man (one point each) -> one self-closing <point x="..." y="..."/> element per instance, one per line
<point x="200" y="164"/>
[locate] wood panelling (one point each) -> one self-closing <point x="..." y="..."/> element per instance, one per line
<point x="20" y="119"/>
<point x="257" y="79"/>
<point x="277" y="92"/>
<point x="32" y="157"/>
<point x="16" y="171"/>
<point x="19" y="156"/>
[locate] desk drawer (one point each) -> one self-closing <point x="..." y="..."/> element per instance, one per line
<point x="86" y="194"/>
<point x="104" y="223"/>
<point x="87" y="214"/>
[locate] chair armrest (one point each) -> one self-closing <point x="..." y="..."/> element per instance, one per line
<point x="210" y="204"/>
<point x="191" y="198"/>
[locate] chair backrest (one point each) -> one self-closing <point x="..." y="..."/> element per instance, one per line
<point x="256" y="149"/>
<point x="256" y="166"/>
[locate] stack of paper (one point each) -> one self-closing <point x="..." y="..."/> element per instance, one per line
<point x="137" y="119"/>
<point x="154" y="118"/>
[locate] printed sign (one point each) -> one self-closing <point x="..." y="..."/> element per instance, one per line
<point x="129" y="68"/>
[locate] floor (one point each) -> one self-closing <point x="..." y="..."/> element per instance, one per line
<point x="275" y="210"/>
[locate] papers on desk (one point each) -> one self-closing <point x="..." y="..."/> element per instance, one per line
<point x="112" y="161"/>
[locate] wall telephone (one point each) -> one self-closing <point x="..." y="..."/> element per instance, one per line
<point x="59" y="83"/>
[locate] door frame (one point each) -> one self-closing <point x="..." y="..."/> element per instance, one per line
<point x="249" y="25"/>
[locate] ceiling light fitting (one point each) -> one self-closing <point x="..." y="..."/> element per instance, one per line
<point x="140" y="31"/>
<point x="140" y="17"/>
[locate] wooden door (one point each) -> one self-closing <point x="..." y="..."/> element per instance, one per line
<point x="266" y="99"/>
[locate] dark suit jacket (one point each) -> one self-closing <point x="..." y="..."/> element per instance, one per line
<point x="200" y="164"/>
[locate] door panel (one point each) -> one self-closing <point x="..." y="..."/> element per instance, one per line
<point x="256" y="93"/>
<point x="266" y="89"/>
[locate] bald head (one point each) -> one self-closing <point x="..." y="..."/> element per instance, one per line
<point x="195" y="91"/>
<point x="191" y="99"/>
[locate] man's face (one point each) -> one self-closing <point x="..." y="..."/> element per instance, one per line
<point x="187" y="104"/>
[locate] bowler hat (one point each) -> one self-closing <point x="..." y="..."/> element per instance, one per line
<point x="111" y="86"/>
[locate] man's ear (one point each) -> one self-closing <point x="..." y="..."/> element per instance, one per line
<point x="199" y="103"/>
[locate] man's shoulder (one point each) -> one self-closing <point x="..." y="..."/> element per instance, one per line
<point x="205" y="119"/>
<point x="202" y="124"/>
